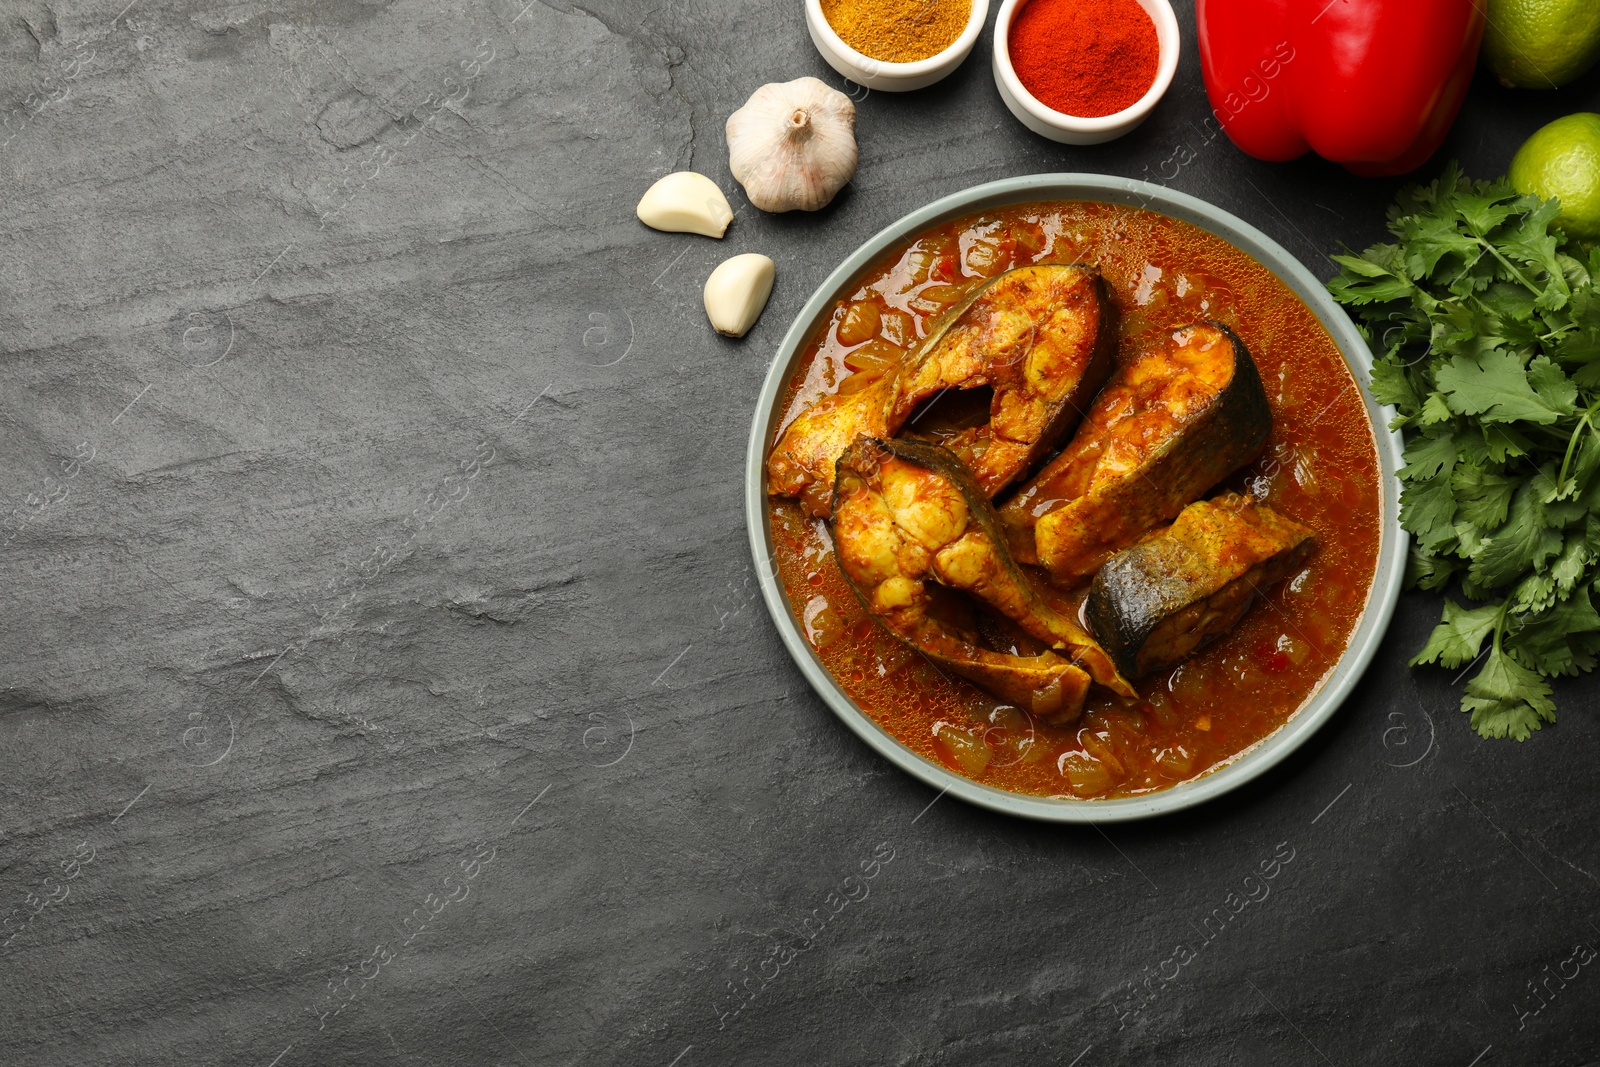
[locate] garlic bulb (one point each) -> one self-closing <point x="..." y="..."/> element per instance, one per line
<point x="737" y="291"/>
<point x="686" y="202"/>
<point x="793" y="145"/>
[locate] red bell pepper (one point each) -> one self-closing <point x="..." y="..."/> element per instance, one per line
<point x="1372" y="84"/>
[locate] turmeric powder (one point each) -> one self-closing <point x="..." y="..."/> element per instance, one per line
<point x="898" y="31"/>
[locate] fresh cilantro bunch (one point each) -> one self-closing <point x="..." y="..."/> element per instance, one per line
<point x="1485" y="327"/>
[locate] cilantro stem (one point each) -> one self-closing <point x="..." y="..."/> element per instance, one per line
<point x="1572" y="444"/>
<point x="1500" y="621"/>
<point x="1510" y="266"/>
<point x="1448" y="292"/>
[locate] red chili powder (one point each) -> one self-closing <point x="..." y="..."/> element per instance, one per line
<point x="1086" y="58"/>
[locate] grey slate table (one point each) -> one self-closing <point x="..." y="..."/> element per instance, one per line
<point x="385" y="680"/>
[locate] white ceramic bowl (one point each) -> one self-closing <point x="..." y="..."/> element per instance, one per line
<point x="1267" y="752"/>
<point x="1069" y="129"/>
<point x="891" y="77"/>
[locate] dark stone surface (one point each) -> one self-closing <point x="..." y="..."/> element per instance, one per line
<point x="415" y="499"/>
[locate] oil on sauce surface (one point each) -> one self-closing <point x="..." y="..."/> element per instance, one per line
<point x="1319" y="467"/>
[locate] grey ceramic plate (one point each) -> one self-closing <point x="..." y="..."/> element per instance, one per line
<point x="1391" y="554"/>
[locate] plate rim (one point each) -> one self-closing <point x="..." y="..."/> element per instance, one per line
<point x="1387" y="578"/>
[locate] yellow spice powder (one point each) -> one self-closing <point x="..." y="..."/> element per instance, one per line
<point x="898" y="31"/>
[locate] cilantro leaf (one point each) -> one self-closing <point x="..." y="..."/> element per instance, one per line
<point x="1504" y="442"/>
<point x="1552" y="386"/>
<point x="1368" y="267"/>
<point x="1524" y="543"/>
<point x="1459" y="635"/>
<point x="1569" y="566"/>
<point x="1369" y="279"/>
<point x="1486" y="321"/>
<point x="1498" y="389"/>
<point x="1562" y="640"/>
<point x="1390" y="385"/>
<point x="1530" y="243"/>
<point x="1435" y="410"/>
<point x="1482" y="213"/>
<point x="1509" y="301"/>
<point x="1580" y="343"/>
<point x="1468" y="330"/>
<point x="1427" y="457"/>
<point x="1506" y="699"/>
<point x="1534" y="593"/>
<point x="1428" y="239"/>
<point x="1483" y="495"/>
<point x="1427" y="506"/>
<point x="1425" y="570"/>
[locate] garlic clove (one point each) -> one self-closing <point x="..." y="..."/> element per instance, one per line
<point x="793" y="145"/>
<point x="686" y="202"/>
<point x="737" y="291"/>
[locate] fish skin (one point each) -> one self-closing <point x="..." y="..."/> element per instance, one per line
<point x="1155" y="603"/>
<point x="819" y="435"/>
<point x="1043" y="337"/>
<point x="906" y="513"/>
<point x="1046" y="684"/>
<point x="1071" y="520"/>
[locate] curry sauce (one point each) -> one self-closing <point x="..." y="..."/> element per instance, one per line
<point x="1319" y="468"/>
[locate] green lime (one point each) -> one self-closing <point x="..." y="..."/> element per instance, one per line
<point x="1540" y="44"/>
<point x="1562" y="160"/>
